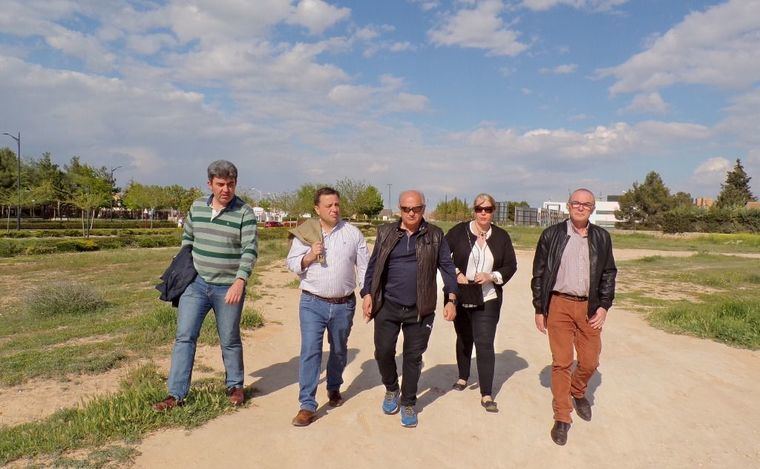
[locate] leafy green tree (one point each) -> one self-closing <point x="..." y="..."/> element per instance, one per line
<point x="645" y="203"/>
<point x="735" y="192"/>
<point x="144" y="197"/>
<point x="369" y="202"/>
<point x="303" y="201"/>
<point x="452" y="210"/>
<point x="8" y="168"/>
<point x="358" y="198"/>
<point x="92" y="189"/>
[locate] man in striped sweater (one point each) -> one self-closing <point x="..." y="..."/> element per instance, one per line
<point x="222" y="232"/>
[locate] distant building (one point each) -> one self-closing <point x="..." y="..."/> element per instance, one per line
<point x="704" y="202"/>
<point x="604" y="215"/>
<point x="753" y="205"/>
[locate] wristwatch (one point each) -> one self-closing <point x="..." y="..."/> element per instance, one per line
<point x="454" y="301"/>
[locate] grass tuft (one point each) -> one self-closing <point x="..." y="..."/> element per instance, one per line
<point x="63" y="298"/>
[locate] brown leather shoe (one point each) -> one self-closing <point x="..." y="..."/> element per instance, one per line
<point x="583" y="408"/>
<point x="236" y="396"/>
<point x="559" y="432"/>
<point x="168" y="403"/>
<point x="303" y="418"/>
<point x="336" y="400"/>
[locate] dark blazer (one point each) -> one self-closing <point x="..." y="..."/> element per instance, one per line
<point x="548" y="256"/>
<point x="178" y="276"/>
<point x="500" y="244"/>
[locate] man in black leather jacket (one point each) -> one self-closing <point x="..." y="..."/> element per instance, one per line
<point x="400" y="294"/>
<point x="573" y="287"/>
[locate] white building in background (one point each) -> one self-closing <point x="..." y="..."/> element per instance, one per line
<point x="604" y="215"/>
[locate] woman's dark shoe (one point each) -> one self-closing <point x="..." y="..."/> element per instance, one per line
<point x="459" y="385"/>
<point x="489" y="405"/>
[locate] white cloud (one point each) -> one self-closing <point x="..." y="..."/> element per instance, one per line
<point x="563" y="69"/>
<point x="388" y="97"/>
<point x="480" y="27"/>
<point x="594" y="5"/>
<point x="317" y="16"/>
<point x="427" y="5"/>
<point x="719" y="47"/>
<point x="647" y="103"/>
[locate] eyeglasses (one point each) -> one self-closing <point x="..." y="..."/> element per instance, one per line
<point x="417" y="209"/>
<point x="587" y="205"/>
<point x="480" y="209"/>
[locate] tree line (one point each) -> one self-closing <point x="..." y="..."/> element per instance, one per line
<point x="650" y="205"/>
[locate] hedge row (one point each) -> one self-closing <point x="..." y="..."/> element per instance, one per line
<point x="18" y="247"/>
<point x="696" y="220"/>
<point x="76" y="224"/>
<point x="65" y="233"/>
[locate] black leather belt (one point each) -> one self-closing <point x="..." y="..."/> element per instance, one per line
<point x="335" y="301"/>
<point x="570" y="297"/>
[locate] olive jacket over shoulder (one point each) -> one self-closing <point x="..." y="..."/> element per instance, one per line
<point x="429" y="246"/>
<point x="548" y="256"/>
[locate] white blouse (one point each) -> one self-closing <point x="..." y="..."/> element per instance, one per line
<point x="481" y="260"/>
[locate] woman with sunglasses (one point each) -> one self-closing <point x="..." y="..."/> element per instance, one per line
<point x="485" y="260"/>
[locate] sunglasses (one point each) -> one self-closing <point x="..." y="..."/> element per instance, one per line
<point x="480" y="209"/>
<point x="417" y="209"/>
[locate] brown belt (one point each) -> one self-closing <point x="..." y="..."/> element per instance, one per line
<point x="570" y="297"/>
<point x="335" y="301"/>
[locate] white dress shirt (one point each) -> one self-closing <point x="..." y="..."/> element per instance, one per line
<point x="346" y="257"/>
<point x="481" y="260"/>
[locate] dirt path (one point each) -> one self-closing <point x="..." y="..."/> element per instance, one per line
<point x="659" y="400"/>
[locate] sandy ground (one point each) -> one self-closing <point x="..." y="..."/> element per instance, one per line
<point x="659" y="400"/>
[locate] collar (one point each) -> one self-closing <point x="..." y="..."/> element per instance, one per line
<point x="234" y="203"/>
<point x="420" y="229"/>
<point x="337" y="226"/>
<point x="472" y="223"/>
<point x="571" y="228"/>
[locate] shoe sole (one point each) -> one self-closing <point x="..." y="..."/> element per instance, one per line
<point x="394" y="411"/>
<point x="410" y="425"/>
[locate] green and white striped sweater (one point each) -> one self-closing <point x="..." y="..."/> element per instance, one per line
<point x="226" y="247"/>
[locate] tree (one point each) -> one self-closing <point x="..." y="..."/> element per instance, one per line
<point x="303" y="201"/>
<point x="369" y="202"/>
<point x="511" y="204"/>
<point x="142" y="197"/>
<point x="91" y="191"/>
<point x="452" y="210"/>
<point x="644" y="204"/>
<point x="735" y="192"/>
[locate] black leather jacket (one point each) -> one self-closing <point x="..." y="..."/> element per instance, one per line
<point x="546" y="262"/>
<point x="427" y="250"/>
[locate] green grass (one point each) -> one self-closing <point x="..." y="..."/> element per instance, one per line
<point x="132" y="324"/>
<point x="122" y="416"/>
<point x="723" y="298"/>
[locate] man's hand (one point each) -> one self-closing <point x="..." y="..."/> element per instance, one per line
<point x="449" y="311"/>
<point x="367" y="307"/>
<point x="235" y="292"/>
<point x="541" y="323"/>
<point x="317" y="249"/>
<point x="461" y="279"/>
<point x="597" y="320"/>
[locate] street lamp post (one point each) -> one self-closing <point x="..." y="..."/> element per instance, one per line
<point x="18" y="181"/>
<point x="113" y="184"/>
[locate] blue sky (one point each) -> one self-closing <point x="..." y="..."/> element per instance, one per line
<point x="524" y="99"/>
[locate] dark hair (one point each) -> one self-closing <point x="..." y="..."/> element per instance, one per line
<point x="222" y="169"/>
<point x="324" y="191"/>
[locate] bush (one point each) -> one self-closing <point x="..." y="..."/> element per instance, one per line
<point x="693" y="219"/>
<point x="63" y="298"/>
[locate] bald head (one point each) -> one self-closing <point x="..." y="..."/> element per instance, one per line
<point x="417" y="195"/>
<point x="582" y="190"/>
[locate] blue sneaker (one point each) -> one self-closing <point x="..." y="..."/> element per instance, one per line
<point x="390" y="402"/>
<point x="408" y="416"/>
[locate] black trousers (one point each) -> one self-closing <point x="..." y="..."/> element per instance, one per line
<point x="391" y="319"/>
<point x="478" y="326"/>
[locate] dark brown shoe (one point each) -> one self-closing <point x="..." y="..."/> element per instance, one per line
<point x="336" y="400"/>
<point x="304" y="418"/>
<point x="583" y="408"/>
<point x="236" y="396"/>
<point x="559" y="432"/>
<point x="168" y="403"/>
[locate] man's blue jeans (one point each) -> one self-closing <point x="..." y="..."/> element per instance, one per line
<point x="316" y="316"/>
<point x="194" y="304"/>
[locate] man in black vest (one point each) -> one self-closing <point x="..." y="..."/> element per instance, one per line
<point x="400" y="294"/>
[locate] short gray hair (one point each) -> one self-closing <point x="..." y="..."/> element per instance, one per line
<point x="222" y="169"/>
<point x="581" y="189"/>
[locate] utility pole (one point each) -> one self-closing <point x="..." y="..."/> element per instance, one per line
<point x="389" y="197"/>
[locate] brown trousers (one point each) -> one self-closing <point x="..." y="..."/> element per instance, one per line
<point x="568" y="327"/>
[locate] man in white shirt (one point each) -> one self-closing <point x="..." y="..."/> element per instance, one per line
<point x="328" y="267"/>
